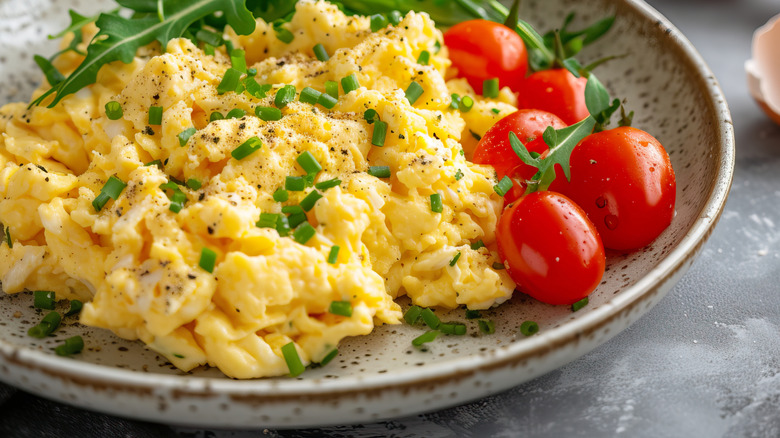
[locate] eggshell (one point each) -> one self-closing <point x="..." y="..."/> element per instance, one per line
<point x="763" y="70"/>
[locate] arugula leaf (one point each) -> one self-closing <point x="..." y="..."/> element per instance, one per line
<point x="77" y="22"/>
<point x="53" y="76"/>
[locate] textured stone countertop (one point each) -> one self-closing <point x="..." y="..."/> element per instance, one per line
<point x="705" y="362"/>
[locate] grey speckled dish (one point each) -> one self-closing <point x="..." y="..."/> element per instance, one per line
<point x="381" y="376"/>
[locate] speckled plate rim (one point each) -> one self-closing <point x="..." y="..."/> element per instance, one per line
<point x="674" y="264"/>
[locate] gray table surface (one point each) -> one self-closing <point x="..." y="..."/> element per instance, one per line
<point x="705" y="362"/>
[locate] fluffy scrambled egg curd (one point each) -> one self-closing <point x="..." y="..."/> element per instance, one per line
<point x="233" y="236"/>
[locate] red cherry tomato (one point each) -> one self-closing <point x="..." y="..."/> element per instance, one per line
<point x="550" y="248"/>
<point x="624" y="181"/>
<point x="482" y="49"/>
<point x="494" y="147"/>
<point x="557" y="91"/>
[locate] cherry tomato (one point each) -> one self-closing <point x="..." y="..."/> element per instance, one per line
<point x="482" y="49"/>
<point x="624" y="181"/>
<point x="494" y="147"/>
<point x="550" y="248"/>
<point x="557" y="91"/>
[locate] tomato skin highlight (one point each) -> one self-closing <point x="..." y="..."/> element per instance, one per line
<point x="557" y="91"/>
<point x="482" y="49"/>
<point x="550" y="248"/>
<point x="624" y="181"/>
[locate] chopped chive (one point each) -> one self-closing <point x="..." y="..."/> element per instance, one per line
<point x="498" y="266"/>
<point x="430" y="319"/>
<point x="209" y="37"/>
<point x="284" y="35"/>
<point x="98" y="203"/>
<point x="283" y="226"/>
<point x="308" y="179"/>
<point x="210" y="50"/>
<point x="238" y="60"/>
<point x="380" y="133"/>
<point x="378" y="21"/>
<point x="216" y="115"/>
<point x="395" y="17"/>
<point x="247" y="148"/>
<point x="228" y="46"/>
<point x="208" y="259"/>
<point x="579" y="304"/>
<point x="436" y="204"/>
<point x="157" y="163"/>
<point x="255" y="89"/>
<point x="466" y="103"/>
<point x="114" y="110"/>
<point x="292" y="209"/>
<point x="528" y="328"/>
<point x="426" y="337"/>
<point x="475" y="135"/>
<point x="379" y="171"/>
<point x="194" y="184"/>
<point x="329" y="357"/>
<point x="309" y="95"/>
<point x="490" y="88"/>
<point x="453" y="328"/>
<point x="327" y="100"/>
<point x="43" y="299"/>
<point x="294" y="183"/>
<point x="8" y="240"/>
<point x="504" y="186"/>
<point x="458" y="175"/>
<point x="473" y="314"/>
<point x="177" y="201"/>
<point x="304" y="233"/>
<point x="496" y="111"/>
<point x="437" y="46"/>
<point x="230" y="81"/>
<point x="325" y="185"/>
<point x="455" y="104"/>
<point x="294" y="363"/>
<point x="477" y="245"/>
<point x="424" y="58"/>
<point x="235" y="113"/>
<point x="413" y="315"/>
<point x="332" y="89"/>
<point x="284" y="96"/>
<point x="112" y="189"/>
<point x="47" y="326"/>
<point x="308" y="162"/>
<point x="455" y="259"/>
<point x="321" y="53"/>
<point x="267" y="220"/>
<point x="350" y="83"/>
<point x="185" y="135"/>
<point x="333" y="256"/>
<point x="310" y="200"/>
<point x="343" y="308"/>
<point x="71" y="346"/>
<point x="297" y="218"/>
<point x="413" y="92"/>
<point x="251" y="72"/>
<point x="371" y="116"/>
<point x="268" y="114"/>
<point x="75" y="307"/>
<point x="155" y="115"/>
<point x="487" y="326"/>
<point x="281" y="195"/>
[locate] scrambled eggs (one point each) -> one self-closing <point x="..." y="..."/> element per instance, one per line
<point x="137" y="262"/>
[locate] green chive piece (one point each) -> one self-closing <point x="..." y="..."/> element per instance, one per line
<point x="379" y="171"/>
<point x="238" y="60"/>
<point x="216" y="115"/>
<point x="255" y="89"/>
<point x="308" y="162"/>
<point x="75" y="307"/>
<point x="284" y="35"/>
<point x="71" y="346"/>
<point x="294" y="363"/>
<point x="332" y="89"/>
<point x="208" y="259"/>
<point x="413" y="315"/>
<point x="327" y="101"/>
<point x="455" y="104"/>
<point x="371" y="116"/>
<point x="458" y="175"/>
<point x="251" y="72"/>
<point x="475" y="135"/>
<point x="380" y="133"/>
<point x="309" y="95"/>
<point x="496" y="111"/>
<point x="528" y="328"/>
<point x="477" y="245"/>
<point x="426" y="337"/>
<point x="504" y="186"/>
<point x="235" y="113"/>
<point x="268" y="114"/>
<point x="47" y="326"/>
<point x="490" y="88"/>
<point x="395" y="17"/>
<point x="209" y="37"/>
<point x="437" y="46"/>
<point x="424" y="58"/>
<point x="350" y="83"/>
<point x="177" y="201"/>
<point x="157" y="163"/>
<point x="112" y="189"/>
<point x="430" y="319"/>
<point x="98" y="203"/>
<point x="185" y="135"/>
<point x="310" y="200"/>
<point x="487" y="326"/>
<point x="281" y="195"/>
<point x="466" y="103"/>
<point x="579" y="304"/>
<point x="43" y="299"/>
<point x="230" y="81"/>
<point x="247" y="148"/>
<point x="498" y="266"/>
<point x="321" y="53"/>
<point x="155" y="115"/>
<point x="453" y="328"/>
<point x="304" y="233"/>
<point x="414" y="92"/>
<point x="114" y="110"/>
<point x="194" y="184"/>
<point x="329" y="357"/>
<point x="210" y="50"/>
<point x="267" y="220"/>
<point x="436" y="204"/>
<point x="473" y="314"/>
<point x="343" y="308"/>
<point x="325" y="185"/>
<point x="283" y="226"/>
<point x="294" y="183"/>
<point x="333" y="256"/>
<point x="228" y="46"/>
<point x="308" y="179"/>
<point x="455" y="259"/>
<point x="292" y="209"/>
<point x="284" y="96"/>
<point x="297" y="218"/>
<point x="378" y="21"/>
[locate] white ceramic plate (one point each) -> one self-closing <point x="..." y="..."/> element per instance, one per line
<point x="381" y="376"/>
